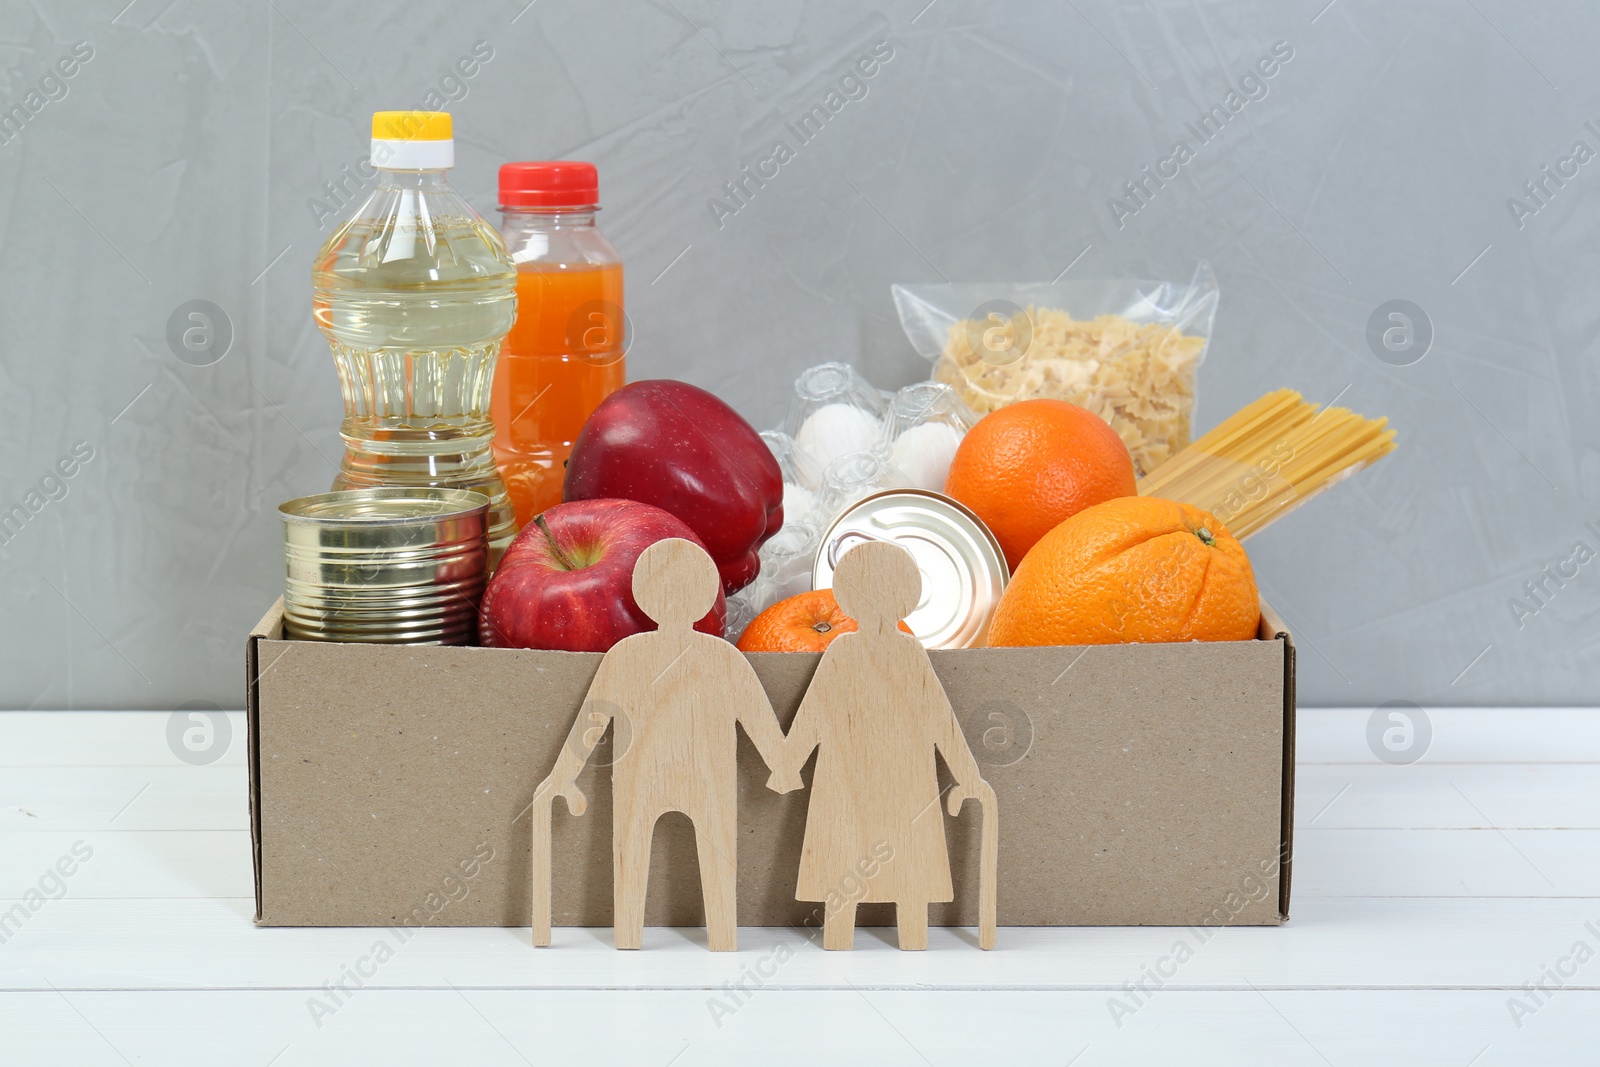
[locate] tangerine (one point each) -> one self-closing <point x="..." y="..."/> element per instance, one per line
<point x="807" y="622"/>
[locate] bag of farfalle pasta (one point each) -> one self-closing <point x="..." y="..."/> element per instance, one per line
<point x="1127" y="350"/>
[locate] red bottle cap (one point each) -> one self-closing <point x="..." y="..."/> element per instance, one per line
<point x="550" y="183"/>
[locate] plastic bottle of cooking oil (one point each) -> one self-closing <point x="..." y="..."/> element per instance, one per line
<point x="415" y="293"/>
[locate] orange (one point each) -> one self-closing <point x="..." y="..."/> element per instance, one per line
<point x="1026" y="467"/>
<point x="1136" y="568"/>
<point x="805" y="623"/>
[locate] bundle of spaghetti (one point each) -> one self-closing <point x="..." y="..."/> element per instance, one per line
<point x="1269" y="458"/>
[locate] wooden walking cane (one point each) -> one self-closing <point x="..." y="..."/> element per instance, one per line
<point x="542" y="810"/>
<point x="540" y="864"/>
<point x="988" y="858"/>
<point x="988" y="869"/>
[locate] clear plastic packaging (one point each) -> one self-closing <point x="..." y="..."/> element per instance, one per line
<point x="834" y="411"/>
<point x="786" y="562"/>
<point x="849" y="478"/>
<point x="1127" y="350"/>
<point x="742" y="611"/>
<point x="801" y="475"/>
<point x="926" y="423"/>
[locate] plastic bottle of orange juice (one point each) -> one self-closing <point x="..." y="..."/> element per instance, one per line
<point x="565" y="352"/>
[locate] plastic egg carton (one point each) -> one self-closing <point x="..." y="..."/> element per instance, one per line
<point x="844" y="440"/>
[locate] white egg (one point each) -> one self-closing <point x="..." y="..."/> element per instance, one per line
<point x="797" y="502"/>
<point x="924" y="453"/>
<point x="834" y="429"/>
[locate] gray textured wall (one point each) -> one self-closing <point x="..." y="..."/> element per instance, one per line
<point x="181" y="161"/>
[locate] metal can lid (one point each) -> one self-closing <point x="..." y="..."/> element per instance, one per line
<point x="963" y="568"/>
<point x="383" y="506"/>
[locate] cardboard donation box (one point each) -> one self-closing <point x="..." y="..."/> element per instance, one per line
<point x="1137" y="784"/>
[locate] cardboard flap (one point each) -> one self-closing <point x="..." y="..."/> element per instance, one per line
<point x="1273" y="628"/>
<point x="270" y="628"/>
<point x="271" y="624"/>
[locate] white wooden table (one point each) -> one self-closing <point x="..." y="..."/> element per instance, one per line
<point x="1427" y="900"/>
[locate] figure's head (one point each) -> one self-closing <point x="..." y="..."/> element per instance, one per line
<point x="877" y="584"/>
<point x="675" y="583"/>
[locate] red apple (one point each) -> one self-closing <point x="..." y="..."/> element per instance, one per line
<point x="675" y="446"/>
<point x="566" y="582"/>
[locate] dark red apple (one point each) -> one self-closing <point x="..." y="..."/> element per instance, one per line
<point x="678" y="447"/>
<point x="566" y="581"/>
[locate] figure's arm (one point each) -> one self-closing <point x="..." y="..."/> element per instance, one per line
<point x="587" y="729"/>
<point x="952" y="745"/>
<point x="754" y="711"/>
<point x="802" y="737"/>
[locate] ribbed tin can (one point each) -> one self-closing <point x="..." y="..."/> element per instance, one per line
<point x="963" y="568"/>
<point x="389" y="565"/>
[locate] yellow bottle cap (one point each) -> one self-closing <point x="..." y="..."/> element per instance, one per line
<point x="411" y="126"/>
<point x="412" y="140"/>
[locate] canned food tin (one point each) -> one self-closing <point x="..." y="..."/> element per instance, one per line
<point x="963" y="569"/>
<point x="391" y="565"/>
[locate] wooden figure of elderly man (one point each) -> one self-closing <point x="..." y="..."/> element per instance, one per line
<point x="674" y="695"/>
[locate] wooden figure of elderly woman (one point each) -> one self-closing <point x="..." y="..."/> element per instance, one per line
<point x="876" y="713"/>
